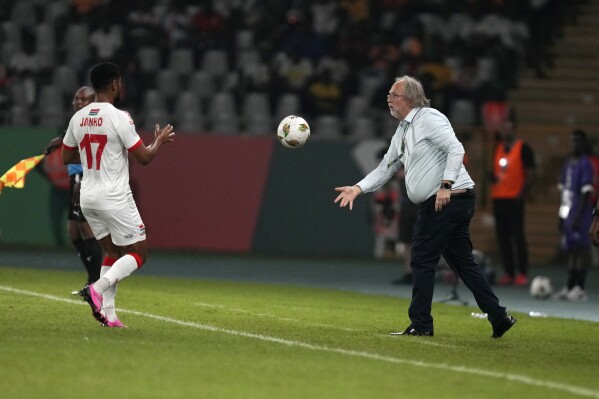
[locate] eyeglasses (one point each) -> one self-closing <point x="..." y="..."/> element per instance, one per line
<point x="394" y="96"/>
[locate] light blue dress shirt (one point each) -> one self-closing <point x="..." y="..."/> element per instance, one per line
<point x="430" y="153"/>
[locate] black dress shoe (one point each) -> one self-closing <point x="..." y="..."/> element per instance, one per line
<point x="502" y="325"/>
<point x="412" y="331"/>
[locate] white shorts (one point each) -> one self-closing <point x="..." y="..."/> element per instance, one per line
<point x="123" y="224"/>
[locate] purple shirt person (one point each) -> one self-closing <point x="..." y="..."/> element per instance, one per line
<point x="576" y="216"/>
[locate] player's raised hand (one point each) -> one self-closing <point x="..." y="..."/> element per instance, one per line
<point x="347" y="195"/>
<point x="164" y="135"/>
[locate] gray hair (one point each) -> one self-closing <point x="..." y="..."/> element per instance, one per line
<point x="413" y="91"/>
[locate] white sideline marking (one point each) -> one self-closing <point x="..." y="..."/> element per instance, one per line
<point x="424" y="341"/>
<point x="270" y="316"/>
<point x="573" y="389"/>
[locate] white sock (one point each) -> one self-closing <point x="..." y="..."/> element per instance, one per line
<point x="108" y="298"/>
<point x="121" y="269"/>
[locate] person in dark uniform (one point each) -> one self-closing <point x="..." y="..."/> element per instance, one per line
<point x="80" y="234"/>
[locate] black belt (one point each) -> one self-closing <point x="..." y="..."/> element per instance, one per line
<point x="468" y="194"/>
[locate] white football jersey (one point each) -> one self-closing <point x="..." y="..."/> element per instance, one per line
<point x="104" y="135"/>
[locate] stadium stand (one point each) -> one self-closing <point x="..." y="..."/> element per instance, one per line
<point x="281" y="49"/>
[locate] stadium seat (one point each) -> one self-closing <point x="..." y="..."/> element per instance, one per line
<point x="20" y="116"/>
<point x="149" y="59"/>
<point x="248" y="59"/>
<point x="153" y="100"/>
<point x="188" y="112"/>
<point x="216" y="63"/>
<point x="181" y="61"/>
<point x="222" y="104"/>
<point x="357" y="106"/>
<point x="154" y="116"/>
<point x="187" y="101"/>
<point x="46" y="44"/>
<point x="259" y="125"/>
<point x="388" y="125"/>
<point x="19" y="95"/>
<point x="23" y="13"/>
<point x="256" y="104"/>
<point x="65" y="79"/>
<point x="257" y="117"/>
<point x="361" y="128"/>
<point x="244" y="39"/>
<point x="76" y="43"/>
<point x="50" y="100"/>
<point x="226" y="124"/>
<point x="202" y="84"/>
<point x="54" y="10"/>
<point x="190" y="122"/>
<point x="326" y="127"/>
<point x="287" y="104"/>
<point x="462" y="113"/>
<point x="168" y="83"/>
<point x="51" y="109"/>
<point x="369" y="84"/>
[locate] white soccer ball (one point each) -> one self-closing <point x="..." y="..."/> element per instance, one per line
<point x="541" y="287"/>
<point x="293" y="131"/>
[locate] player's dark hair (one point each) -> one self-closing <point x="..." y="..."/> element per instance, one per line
<point x="103" y="74"/>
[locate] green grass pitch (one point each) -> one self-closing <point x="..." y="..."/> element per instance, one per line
<point x="205" y="339"/>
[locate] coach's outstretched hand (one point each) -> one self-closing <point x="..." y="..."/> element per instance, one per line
<point x="347" y="195"/>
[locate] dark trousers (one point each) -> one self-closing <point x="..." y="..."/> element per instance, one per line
<point x="509" y="228"/>
<point x="446" y="233"/>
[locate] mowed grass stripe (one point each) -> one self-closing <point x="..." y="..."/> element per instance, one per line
<point x="571" y="389"/>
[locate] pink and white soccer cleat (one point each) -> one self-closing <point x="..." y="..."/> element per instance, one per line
<point x="116" y="323"/>
<point x="94" y="300"/>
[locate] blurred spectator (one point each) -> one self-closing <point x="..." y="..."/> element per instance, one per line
<point x="512" y="176"/>
<point x="5" y="101"/>
<point x="176" y="23"/>
<point x="385" y="217"/>
<point x="26" y="66"/>
<point x="105" y="42"/>
<point x="207" y="26"/>
<point x="325" y="17"/>
<point x="408" y="211"/>
<point x="143" y="25"/>
<point x="351" y="38"/>
<point x="293" y="72"/>
<point x="575" y="216"/>
<point x="324" y="95"/>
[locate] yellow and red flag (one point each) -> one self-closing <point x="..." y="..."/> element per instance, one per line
<point x="15" y="176"/>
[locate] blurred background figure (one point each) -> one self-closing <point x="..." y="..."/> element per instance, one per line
<point x="407" y="219"/>
<point x="385" y="214"/>
<point x="512" y="176"/>
<point x="80" y="233"/>
<point x="575" y="216"/>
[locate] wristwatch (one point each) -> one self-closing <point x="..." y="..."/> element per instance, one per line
<point x="446" y="186"/>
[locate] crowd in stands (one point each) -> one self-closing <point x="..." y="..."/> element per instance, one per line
<point x="240" y="65"/>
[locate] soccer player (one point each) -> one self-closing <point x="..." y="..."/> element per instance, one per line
<point x="80" y="234"/>
<point x="104" y="135"/>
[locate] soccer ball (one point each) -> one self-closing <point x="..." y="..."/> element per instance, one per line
<point x="541" y="287"/>
<point x="293" y="131"/>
